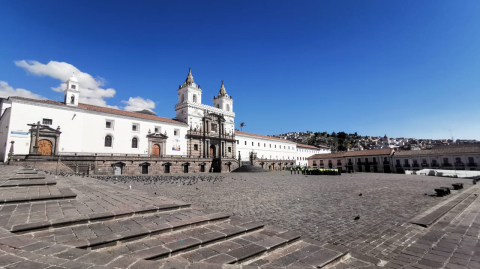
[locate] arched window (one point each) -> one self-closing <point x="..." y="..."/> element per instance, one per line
<point x="194" y="98"/>
<point x="72" y="100"/>
<point x="183" y="98"/>
<point x="218" y="106"/>
<point x="134" y="143"/>
<point x="228" y="107"/>
<point x="108" y="141"/>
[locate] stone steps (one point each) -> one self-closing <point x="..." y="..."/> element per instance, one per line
<point x="27" y="183"/>
<point x="62" y="193"/>
<point x="433" y="216"/>
<point x="179" y="243"/>
<point x="27" y="176"/>
<point x="95" y="217"/>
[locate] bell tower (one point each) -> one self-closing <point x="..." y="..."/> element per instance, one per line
<point x="72" y="92"/>
<point x="223" y="100"/>
<point x="189" y="94"/>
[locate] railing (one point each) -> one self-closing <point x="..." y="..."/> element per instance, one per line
<point x="459" y="164"/>
<point x="446" y="164"/>
<point x="471" y="164"/>
<point x="349" y="164"/>
<point x="406" y="165"/>
<point x="398" y="165"/>
<point x="210" y="134"/>
<point x="386" y="162"/>
<point x="416" y="165"/>
<point x="424" y="164"/>
<point x="435" y="165"/>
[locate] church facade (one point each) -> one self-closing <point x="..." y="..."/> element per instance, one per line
<point x="100" y="140"/>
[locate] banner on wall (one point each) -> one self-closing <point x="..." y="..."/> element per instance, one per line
<point x="176" y="145"/>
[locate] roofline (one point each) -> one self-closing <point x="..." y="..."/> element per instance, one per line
<point x="74" y="108"/>
<point x="264" y="137"/>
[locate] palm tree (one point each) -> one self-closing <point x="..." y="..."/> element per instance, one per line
<point x="242" y="125"/>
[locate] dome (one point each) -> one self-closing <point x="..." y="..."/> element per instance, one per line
<point x="73" y="78"/>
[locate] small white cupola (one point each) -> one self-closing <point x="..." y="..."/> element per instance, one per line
<point x="72" y="92"/>
<point x="223" y="100"/>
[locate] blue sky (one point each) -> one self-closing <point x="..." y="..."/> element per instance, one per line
<point x="401" y="68"/>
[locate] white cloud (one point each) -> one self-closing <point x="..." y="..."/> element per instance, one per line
<point x="91" y="89"/>
<point x="7" y="90"/>
<point x="138" y="103"/>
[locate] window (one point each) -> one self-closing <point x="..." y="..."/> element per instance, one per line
<point x="109" y="124"/>
<point x="229" y="149"/>
<point x="195" y="147"/>
<point x="424" y="161"/>
<point x="259" y="144"/>
<point x="47" y="121"/>
<point x="228" y="107"/>
<point x="445" y="160"/>
<point x="314" y="163"/>
<point x="252" y="144"/>
<point x="158" y="129"/>
<point x="405" y="161"/>
<point x="214" y="127"/>
<point x="385" y="159"/>
<point x="134" y="143"/>
<point x="183" y="99"/>
<point x="270" y="145"/>
<point x="218" y="106"/>
<point x="72" y="100"/>
<point x="238" y="142"/>
<point x="176" y="132"/>
<point x="458" y="160"/>
<point x="108" y="141"/>
<point x="73" y="87"/>
<point x="470" y="160"/>
<point x="135" y="128"/>
<point x="194" y="98"/>
<point x="264" y="145"/>
<point x="245" y="143"/>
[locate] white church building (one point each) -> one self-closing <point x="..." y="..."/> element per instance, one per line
<point x="102" y="140"/>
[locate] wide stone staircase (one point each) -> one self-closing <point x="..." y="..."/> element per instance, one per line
<point x="76" y="222"/>
<point x="246" y="168"/>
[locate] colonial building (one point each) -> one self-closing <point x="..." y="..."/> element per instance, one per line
<point x="305" y="151"/>
<point x="375" y="160"/>
<point x="100" y="140"/>
<point x="452" y="157"/>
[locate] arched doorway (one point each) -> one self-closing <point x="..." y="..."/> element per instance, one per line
<point x="45" y="147"/>
<point x="156" y="150"/>
<point x="212" y="151"/>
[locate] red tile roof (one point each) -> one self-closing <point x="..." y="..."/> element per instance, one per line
<point x="372" y="152"/>
<point x="310" y="146"/>
<point x="263" y="136"/>
<point x="106" y="110"/>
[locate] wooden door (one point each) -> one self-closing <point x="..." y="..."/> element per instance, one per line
<point x="212" y="151"/>
<point x="145" y="169"/>
<point x="45" y="147"/>
<point x="156" y="150"/>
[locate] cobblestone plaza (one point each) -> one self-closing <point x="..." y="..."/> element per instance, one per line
<point x="322" y="207"/>
<point x="255" y="220"/>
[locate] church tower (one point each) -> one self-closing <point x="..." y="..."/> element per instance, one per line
<point x="223" y="100"/>
<point x="189" y="94"/>
<point x="72" y="93"/>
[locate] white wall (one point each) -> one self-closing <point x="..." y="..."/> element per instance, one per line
<point x="283" y="150"/>
<point x="83" y="131"/>
<point x="4" y="133"/>
<point x="304" y="153"/>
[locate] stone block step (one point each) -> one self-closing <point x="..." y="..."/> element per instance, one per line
<point x="96" y="217"/>
<point x="432" y="217"/>
<point x="177" y="243"/>
<point x="228" y="250"/>
<point x="27" y="171"/>
<point x="110" y="232"/>
<point x="26" y="183"/>
<point x="306" y="253"/>
<point x="60" y="193"/>
<point x="27" y="176"/>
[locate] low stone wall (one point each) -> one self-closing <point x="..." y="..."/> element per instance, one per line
<point x="105" y="165"/>
<point x="273" y="165"/>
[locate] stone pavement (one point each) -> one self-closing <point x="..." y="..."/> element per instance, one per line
<point x="82" y="222"/>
